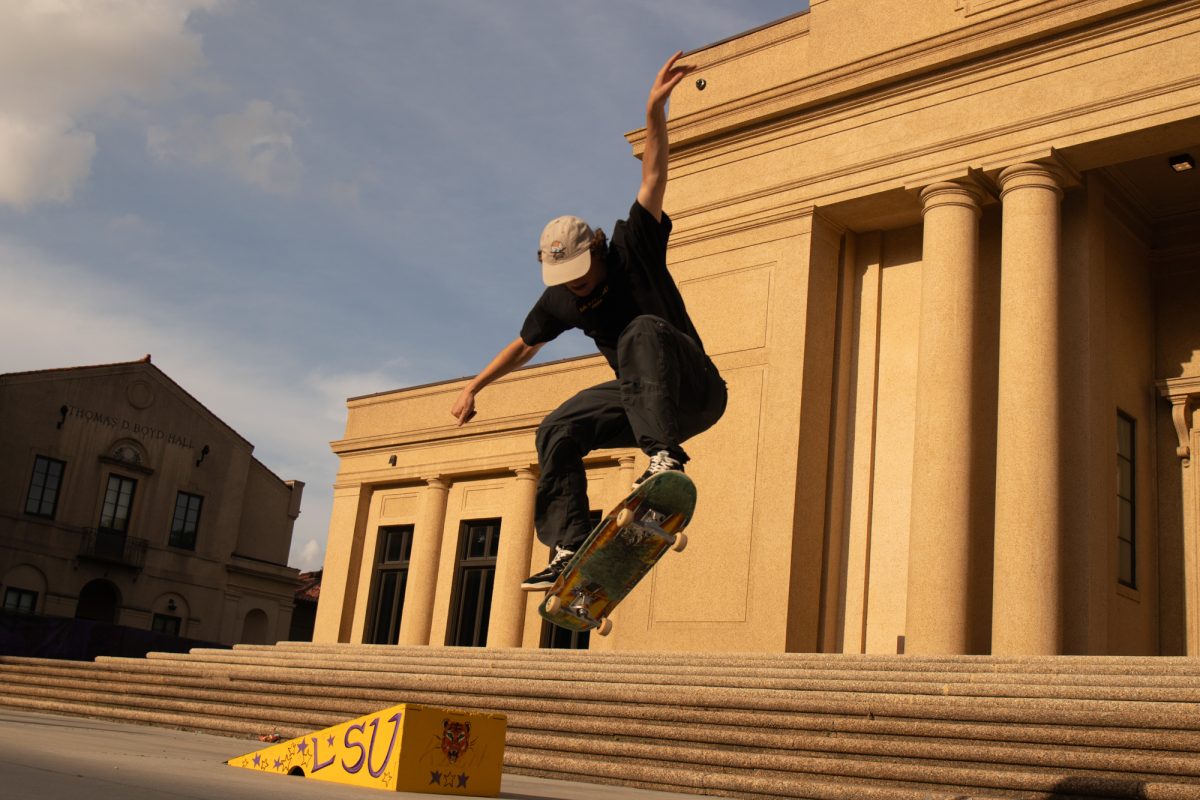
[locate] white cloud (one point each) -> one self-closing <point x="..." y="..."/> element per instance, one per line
<point x="255" y="145"/>
<point x="311" y="557"/>
<point x="41" y="161"/>
<point x="61" y="60"/>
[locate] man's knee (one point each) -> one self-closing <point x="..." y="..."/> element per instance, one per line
<point x="642" y="325"/>
<point x="553" y="435"/>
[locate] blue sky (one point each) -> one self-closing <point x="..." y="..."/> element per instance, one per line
<point x="292" y="203"/>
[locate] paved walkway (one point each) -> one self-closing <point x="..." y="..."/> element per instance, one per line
<point x="52" y="757"/>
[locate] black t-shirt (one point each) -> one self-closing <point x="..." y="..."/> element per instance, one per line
<point x="637" y="283"/>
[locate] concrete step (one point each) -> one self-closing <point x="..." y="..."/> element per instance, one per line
<point x="1109" y="672"/>
<point x="1093" y="665"/>
<point x="1107" y="687"/>
<point x="750" y="726"/>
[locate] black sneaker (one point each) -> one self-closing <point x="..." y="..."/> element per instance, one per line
<point x="662" y="461"/>
<point x="545" y="579"/>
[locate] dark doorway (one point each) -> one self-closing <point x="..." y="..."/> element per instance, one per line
<point x="99" y="601"/>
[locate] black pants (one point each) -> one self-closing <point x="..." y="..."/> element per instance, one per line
<point x="668" y="392"/>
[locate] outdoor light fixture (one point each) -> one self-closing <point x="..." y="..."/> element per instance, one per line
<point x="1181" y="163"/>
<point x="392" y="461"/>
<point x="203" y="455"/>
<point x="171" y="604"/>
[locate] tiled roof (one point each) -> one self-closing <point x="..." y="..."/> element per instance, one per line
<point x="310" y="586"/>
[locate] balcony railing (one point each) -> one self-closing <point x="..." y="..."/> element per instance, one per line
<point x="113" y="547"/>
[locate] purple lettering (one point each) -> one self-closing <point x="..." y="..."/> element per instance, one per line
<point x="317" y="765"/>
<point x="395" y="720"/>
<point x="362" y="751"/>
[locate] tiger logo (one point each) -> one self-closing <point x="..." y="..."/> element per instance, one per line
<point x="456" y="738"/>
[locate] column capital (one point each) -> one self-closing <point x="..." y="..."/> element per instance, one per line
<point x="438" y="482"/>
<point x="949" y="193"/>
<point x="626" y="461"/>
<point x="525" y="472"/>
<point x="1032" y="176"/>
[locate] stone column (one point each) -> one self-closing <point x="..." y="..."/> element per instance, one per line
<point x="1184" y="394"/>
<point x="625" y="465"/>
<point x="507" y="622"/>
<point x="343" y="567"/>
<point x="417" y="616"/>
<point x="1027" y="579"/>
<point x="939" y="574"/>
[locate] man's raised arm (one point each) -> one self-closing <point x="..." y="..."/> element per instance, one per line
<point x="654" y="159"/>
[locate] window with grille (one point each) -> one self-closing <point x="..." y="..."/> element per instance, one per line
<point x="391" y="579"/>
<point x="186" y="520"/>
<point x="475" y="576"/>
<point x="42" y="500"/>
<point x="20" y="601"/>
<point x="118" y="500"/>
<point x="1126" y="501"/>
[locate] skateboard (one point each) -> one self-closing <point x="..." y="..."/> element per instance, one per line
<point x="620" y="551"/>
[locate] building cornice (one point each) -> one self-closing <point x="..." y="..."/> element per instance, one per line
<point x="1044" y="26"/>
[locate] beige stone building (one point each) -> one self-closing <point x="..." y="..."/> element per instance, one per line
<point x="124" y="500"/>
<point x="947" y="255"/>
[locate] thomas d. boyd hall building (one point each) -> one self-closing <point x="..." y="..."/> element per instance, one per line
<point x="125" y="502"/>
<point x="947" y="257"/>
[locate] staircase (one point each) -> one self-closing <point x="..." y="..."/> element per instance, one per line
<point x="752" y="726"/>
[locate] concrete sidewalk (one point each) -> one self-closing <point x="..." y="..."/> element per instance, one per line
<point x="48" y="757"/>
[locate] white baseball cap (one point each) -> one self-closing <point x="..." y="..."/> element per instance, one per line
<point x="565" y="250"/>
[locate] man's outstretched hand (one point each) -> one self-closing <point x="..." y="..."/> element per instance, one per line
<point x="464" y="407"/>
<point x="667" y="79"/>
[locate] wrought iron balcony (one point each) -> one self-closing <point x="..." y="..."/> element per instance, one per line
<point x="112" y="547"/>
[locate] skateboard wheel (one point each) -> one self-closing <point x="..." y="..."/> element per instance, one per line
<point x="553" y="604"/>
<point x="624" y="517"/>
<point x="680" y="542"/>
<point x="605" y="627"/>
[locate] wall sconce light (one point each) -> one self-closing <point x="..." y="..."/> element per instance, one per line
<point x="203" y="455"/>
<point x="1182" y="162"/>
<point x="62" y="416"/>
<point x="392" y="461"/>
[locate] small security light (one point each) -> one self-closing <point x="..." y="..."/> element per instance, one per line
<point x="1181" y="163"/>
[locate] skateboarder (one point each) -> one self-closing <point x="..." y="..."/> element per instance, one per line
<point x="620" y="294"/>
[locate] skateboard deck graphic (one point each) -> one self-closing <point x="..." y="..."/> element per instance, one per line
<point x="620" y="551"/>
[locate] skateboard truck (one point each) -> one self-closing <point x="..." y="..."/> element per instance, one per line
<point x="650" y="524"/>
<point x="584" y="597"/>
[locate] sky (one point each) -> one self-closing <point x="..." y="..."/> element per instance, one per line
<point x="290" y="202"/>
